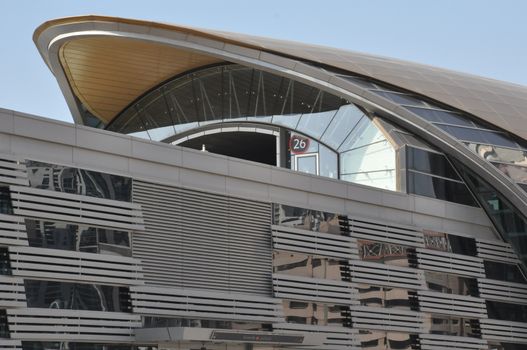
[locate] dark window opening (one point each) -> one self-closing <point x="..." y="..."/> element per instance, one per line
<point x="252" y="146"/>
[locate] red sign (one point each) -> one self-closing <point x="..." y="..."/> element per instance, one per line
<point x="298" y="144"/>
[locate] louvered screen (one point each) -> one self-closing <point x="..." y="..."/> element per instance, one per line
<point x="196" y="239"/>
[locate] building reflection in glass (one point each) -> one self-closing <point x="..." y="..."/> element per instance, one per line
<point x="303" y="312"/>
<point x="450" y="284"/>
<point x="76" y="296"/>
<point x="302" y="265"/>
<point x="452" y="326"/>
<point x="379" y="340"/>
<point x="385" y="297"/>
<point x="307" y="219"/>
<point x="61" y="235"/>
<point x="384" y="253"/>
<point x="78" y="181"/>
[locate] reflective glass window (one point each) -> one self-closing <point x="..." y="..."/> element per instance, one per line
<point x="5" y="201"/>
<point x="382" y="340"/>
<point x="441" y="116"/>
<point x="450" y="284"/>
<point x="506" y="218"/>
<point x="516" y="173"/>
<point x="507" y="346"/>
<point x="307" y="164"/>
<point x="344" y="121"/>
<point x="61" y="235"/>
<point x="385" y="253"/>
<point x="452" y="326"/>
<point x="4" y="325"/>
<point x="314" y="124"/>
<point x="430" y="163"/>
<point x="328" y="162"/>
<point x="307" y="219"/>
<point x="316" y="314"/>
<point x="435" y="187"/>
<point x="223" y="92"/>
<point x="78" y="181"/>
<point x="450" y="243"/>
<point x="164" y="322"/>
<point x="503" y="272"/>
<point x="506" y="312"/>
<point x="402" y="99"/>
<point x="76" y="296"/>
<point x="386" y="297"/>
<point x="312" y="266"/>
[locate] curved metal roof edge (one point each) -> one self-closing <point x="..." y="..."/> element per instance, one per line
<point x="506" y="116"/>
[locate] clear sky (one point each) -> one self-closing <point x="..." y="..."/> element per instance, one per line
<point x="482" y="37"/>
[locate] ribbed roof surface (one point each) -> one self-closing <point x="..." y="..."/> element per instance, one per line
<point x="499" y="103"/>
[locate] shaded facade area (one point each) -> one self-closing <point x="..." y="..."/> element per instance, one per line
<point x="220" y="191"/>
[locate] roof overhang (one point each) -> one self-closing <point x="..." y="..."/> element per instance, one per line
<point x="108" y="62"/>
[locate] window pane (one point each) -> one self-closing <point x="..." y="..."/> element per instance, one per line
<point x="503" y="272"/>
<point x="303" y="265"/>
<point x="430" y="163"/>
<point x="437" y="116"/>
<point x="76" y="296"/>
<point x="344" y="121"/>
<point x="435" y="187"/>
<point x="79" y="181"/>
<point x="307" y="164"/>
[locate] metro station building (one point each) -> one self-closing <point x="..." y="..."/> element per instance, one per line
<point x="223" y="191"/>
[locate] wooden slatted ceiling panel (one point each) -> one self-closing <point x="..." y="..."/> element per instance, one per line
<point x="107" y="74"/>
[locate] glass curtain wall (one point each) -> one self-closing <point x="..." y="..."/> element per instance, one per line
<point x="504" y="151"/>
<point x="326" y="135"/>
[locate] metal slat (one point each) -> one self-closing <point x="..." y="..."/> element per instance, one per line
<point x="184" y="226"/>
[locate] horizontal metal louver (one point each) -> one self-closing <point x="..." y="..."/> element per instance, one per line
<point x="502" y="291"/>
<point x="316" y="243"/>
<point x="190" y="303"/>
<point x="12" y="230"/>
<point x="337" y="338"/>
<point x="10" y="344"/>
<point x="371" y="230"/>
<point x="198" y="240"/>
<point x="386" y="319"/>
<point x="77" y="325"/>
<point x="53" y="264"/>
<point x="52" y="205"/>
<point x="505" y="331"/>
<point x="13" y="171"/>
<point x="496" y="250"/>
<point x="434" y="260"/>
<point x="442" y="342"/>
<point x="12" y="292"/>
<point x="452" y="304"/>
<point x="314" y="289"/>
<point x="386" y="275"/>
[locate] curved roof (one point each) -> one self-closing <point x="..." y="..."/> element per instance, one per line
<point x="108" y="74"/>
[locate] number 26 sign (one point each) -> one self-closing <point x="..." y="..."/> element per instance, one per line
<point x="298" y="144"/>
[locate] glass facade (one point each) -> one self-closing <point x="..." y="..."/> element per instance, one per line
<point x="430" y="174"/>
<point x="308" y="219"/>
<point x="505" y="151"/>
<point x="76" y="296"/>
<point x="78" y="181"/>
<point x="383" y="340"/>
<point x="339" y="140"/>
<point x="510" y="223"/>
<point x="61" y="235"/>
<point x="312" y="266"/>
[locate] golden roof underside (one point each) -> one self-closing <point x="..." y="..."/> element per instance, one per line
<point x="108" y="73"/>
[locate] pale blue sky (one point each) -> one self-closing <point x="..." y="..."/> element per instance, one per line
<point x="482" y="37"/>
